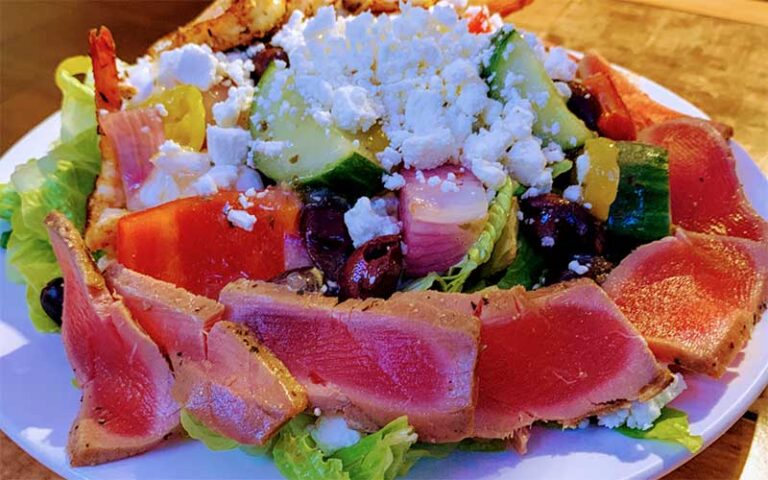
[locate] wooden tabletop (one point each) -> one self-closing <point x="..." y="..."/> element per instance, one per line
<point x="711" y="52"/>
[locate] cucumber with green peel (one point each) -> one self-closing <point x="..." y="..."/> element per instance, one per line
<point x="312" y="155"/>
<point x="641" y="211"/>
<point x="554" y="122"/>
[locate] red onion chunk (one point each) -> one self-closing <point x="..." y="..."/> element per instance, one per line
<point x="441" y="220"/>
<point x="134" y="137"/>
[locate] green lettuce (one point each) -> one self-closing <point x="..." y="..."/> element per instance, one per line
<point x="383" y="455"/>
<point x="61" y="180"/>
<point x="380" y="455"/>
<point x="298" y="457"/>
<point x="526" y="269"/>
<point x="198" y="431"/>
<point x="671" y="426"/>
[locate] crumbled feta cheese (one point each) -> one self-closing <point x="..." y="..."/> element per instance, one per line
<point x="241" y="219"/>
<point x="433" y="181"/>
<point x="190" y="64"/>
<point x="227" y="146"/>
<point x="553" y="153"/>
<point x="227" y="112"/>
<point x="243" y="200"/>
<point x="547" y="241"/>
<point x="491" y="174"/>
<point x="528" y="164"/>
<point x="369" y="219"/>
<point x="563" y="89"/>
<point x="354" y="109"/>
<point x="582" y="167"/>
<point x="332" y="433"/>
<point x="572" y="193"/>
<point x="394" y="181"/>
<point x="559" y="66"/>
<point x="161" y="110"/>
<point x="641" y="415"/>
<point x="449" y="186"/>
<point x="577" y="268"/>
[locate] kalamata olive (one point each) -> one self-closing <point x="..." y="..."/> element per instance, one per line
<point x="325" y="234"/>
<point x="373" y="270"/>
<point x="559" y="227"/>
<point x="52" y="299"/>
<point x="587" y="266"/>
<point x="263" y="58"/>
<point x="303" y="280"/>
<point x="584" y="105"/>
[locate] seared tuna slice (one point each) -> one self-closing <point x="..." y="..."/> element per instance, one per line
<point x="705" y="193"/>
<point x="127" y="406"/>
<point x="224" y="377"/>
<point x="371" y="360"/>
<point x="561" y="354"/>
<point x="694" y="297"/>
<point x="242" y="390"/>
<point x="173" y="317"/>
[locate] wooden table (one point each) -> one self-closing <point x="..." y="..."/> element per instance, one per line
<point x="711" y="52"/>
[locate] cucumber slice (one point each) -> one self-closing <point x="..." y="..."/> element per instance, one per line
<point x="641" y="209"/>
<point x="315" y="155"/>
<point x="554" y="121"/>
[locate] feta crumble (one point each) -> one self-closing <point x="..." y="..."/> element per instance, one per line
<point x="331" y="433"/>
<point x="641" y="415"/>
<point x="394" y="181"/>
<point x="369" y="219"/>
<point x="190" y="64"/>
<point x="240" y="218"/>
<point x="227" y="146"/>
<point x="577" y="268"/>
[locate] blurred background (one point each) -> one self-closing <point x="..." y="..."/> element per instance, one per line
<point x="712" y="52"/>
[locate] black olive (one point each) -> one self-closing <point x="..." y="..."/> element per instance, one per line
<point x="325" y="234"/>
<point x="584" y="105"/>
<point x="52" y="299"/>
<point x="373" y="270"/>
<point x="304" y="280"/>
<point x="263" y="58"/>
<point x="560" y="228"/>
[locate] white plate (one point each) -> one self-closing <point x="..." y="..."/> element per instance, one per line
<point x="38" y="402"/>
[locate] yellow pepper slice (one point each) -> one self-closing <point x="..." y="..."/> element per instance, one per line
<point x="601" y="182"/>
<point x="185" y="122"/>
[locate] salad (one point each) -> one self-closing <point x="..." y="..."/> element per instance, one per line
<point x="350" y="237"/>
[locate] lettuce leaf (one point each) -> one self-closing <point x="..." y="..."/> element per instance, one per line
<point x="298" y="458"/>
<point x="198" y="431"/>
<point x="380" y="455"/>
<point x="383" y="455"/>
<point x="526" y="269"/>
<point x="61" y="180"/>
<point x="671" y="426"/>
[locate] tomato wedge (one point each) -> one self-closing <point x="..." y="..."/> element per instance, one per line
<point x="190" y="242"/>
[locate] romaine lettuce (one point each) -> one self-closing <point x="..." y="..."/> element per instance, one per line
<point x="671" y="426"/>
<point x="61" y="180"/>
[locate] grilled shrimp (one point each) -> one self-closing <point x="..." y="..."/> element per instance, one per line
<point x="103" y="57"/>
<point x="108" y="195"/>
<point x="226" y="24"/>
